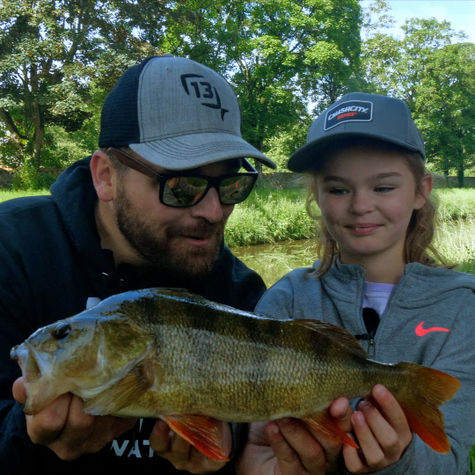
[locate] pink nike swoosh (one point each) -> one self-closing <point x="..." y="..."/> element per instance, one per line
<point x="421" y="331"/>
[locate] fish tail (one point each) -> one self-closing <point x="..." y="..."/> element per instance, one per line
<point x="427" y="390"/>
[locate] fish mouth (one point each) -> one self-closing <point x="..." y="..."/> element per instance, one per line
<point x="40" y="389"/>
<point x="24" y="355"/>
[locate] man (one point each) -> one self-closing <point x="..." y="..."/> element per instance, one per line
<point x="146" y="210"/>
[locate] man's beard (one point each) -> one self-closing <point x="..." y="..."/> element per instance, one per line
<point x="179" y="266"/>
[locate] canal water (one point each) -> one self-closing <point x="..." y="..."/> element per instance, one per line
<point x="455" y="241"/>
<point x="272" y="261"/>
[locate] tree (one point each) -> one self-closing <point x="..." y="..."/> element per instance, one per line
<point x="50" y="51"/>
<point x="59" y="57"/>
<point x="444" y="107"/>
<point x="435" y="78"/>
<point x="278" y="54"/>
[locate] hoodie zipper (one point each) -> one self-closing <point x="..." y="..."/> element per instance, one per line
<point x="371" y="321"/>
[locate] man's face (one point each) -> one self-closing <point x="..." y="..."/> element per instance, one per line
<point x="184" y="242"/>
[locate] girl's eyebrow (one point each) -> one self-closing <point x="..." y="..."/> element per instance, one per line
<point x="379" y="176"/>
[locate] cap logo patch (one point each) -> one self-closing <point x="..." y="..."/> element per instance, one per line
<point x="203" y="90"/>
<point x="351" y="111"/>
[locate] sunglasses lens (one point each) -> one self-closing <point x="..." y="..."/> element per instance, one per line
<point x="182" y="191"/>
<point x="235" y="189"/>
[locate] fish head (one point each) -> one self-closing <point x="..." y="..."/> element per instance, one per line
<point x="83" y="354"/>
<point x="49" y="358"/>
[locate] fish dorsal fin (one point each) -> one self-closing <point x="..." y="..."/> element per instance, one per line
<point x="338" y="335"/>
<point x="124" y="392"/>
<point x="204" y="433"/>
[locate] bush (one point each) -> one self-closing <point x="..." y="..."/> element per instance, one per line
<point x="29" y="178"/>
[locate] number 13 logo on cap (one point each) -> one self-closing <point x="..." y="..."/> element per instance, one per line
<point x="202" y="90"/>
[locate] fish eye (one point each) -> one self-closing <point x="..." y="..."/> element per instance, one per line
<point x="62" y="330"/>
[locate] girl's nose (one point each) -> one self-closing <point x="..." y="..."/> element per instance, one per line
<point x="361" y="202"/>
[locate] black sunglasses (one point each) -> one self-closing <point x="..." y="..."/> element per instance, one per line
<point x="182" y="190"/>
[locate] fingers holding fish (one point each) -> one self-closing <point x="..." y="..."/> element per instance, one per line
<point x="394" y="415"/>
<point x="19" y="391"/>
<point x="258" y="457"/>
<point x="316" y="450"/>
<point x="180" y="453"/>
<point x="65" y="429"/>
<point x="296" y="449"/>
<point x="382" y="431"/>
<point x="341" y="411"/>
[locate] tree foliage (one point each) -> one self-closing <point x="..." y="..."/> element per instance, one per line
<point x="436" y="78"/>
<point x="444" y="107"/>
<point x="287" y="60"/>
<point x="51" y="51"/>
<point x="279" y="54"/>
<point x="58" y="56"/>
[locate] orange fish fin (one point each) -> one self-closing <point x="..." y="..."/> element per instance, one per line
<point x="322" y="421"/>
<point x="338" y="335"/>
<point x="124" y="392"/>
<point x="420" y="401"/>
<point x="204" y="433"/>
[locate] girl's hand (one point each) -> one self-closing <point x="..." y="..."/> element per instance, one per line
<point x="290" y="447"/>
<point x="382" y="431"/>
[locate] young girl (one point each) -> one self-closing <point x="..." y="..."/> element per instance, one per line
<point x="379" y="278"/>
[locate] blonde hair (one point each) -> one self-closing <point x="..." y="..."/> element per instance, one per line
<point x="418" y="246"/>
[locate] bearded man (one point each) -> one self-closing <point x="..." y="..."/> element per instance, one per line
<point x="147" y="209"/>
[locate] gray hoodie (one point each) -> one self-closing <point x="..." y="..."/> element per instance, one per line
<point x="438" y="298"/>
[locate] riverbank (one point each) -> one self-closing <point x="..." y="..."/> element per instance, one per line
<point x="279" y="216"/>
<point x="271" y="215"/>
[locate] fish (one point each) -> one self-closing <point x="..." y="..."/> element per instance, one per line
<point x="170" y="354"/>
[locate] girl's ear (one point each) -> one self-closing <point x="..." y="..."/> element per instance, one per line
<point x="103" y="175"/>
<point x="424" y="191"/>
<point x="313" y="187"/>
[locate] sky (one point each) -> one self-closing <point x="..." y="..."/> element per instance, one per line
<point x="460" y="13"/>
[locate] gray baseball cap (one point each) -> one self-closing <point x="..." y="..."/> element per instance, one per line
<point x="358" y="114"/>
<point x="176" y="114"/>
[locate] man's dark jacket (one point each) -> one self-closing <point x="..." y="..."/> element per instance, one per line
<point x="51" y="262"/>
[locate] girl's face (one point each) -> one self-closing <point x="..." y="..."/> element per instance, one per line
<point x="367" y="196"/>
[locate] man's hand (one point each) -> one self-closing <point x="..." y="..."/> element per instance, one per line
<point x="382" y="431"/>
<point x="289" y="447"/>
<point x="64" y="428"/>
<point x="181" y="454"/>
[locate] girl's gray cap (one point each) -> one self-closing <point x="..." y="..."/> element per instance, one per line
<point x="358" y="114"/>
<point x="175" y="113"/>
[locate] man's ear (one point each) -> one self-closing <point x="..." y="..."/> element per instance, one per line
<point x="103" y="175"/>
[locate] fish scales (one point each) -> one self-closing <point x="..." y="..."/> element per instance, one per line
<point x="241" y="368"/>
<point x="171" y="354"/>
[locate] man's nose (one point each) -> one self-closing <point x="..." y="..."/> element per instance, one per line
<point x="209" y="208"/>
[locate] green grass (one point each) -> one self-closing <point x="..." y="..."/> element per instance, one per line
<point x="9" y="194"/>
<point x="269" y="216"/>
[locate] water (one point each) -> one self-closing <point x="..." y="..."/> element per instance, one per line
<point x="272" y="261"/>
<point x="455" y="240"/>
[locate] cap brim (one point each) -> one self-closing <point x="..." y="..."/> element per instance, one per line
<point x="196" y="150"/>
<point x="307" y="157"/>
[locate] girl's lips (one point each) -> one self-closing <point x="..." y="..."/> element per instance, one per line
<point x="363" y="229"/>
